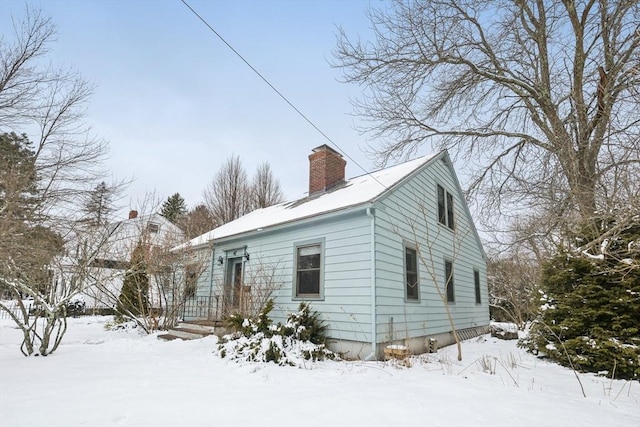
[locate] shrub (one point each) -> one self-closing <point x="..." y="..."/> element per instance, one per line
<point x="591" y="309"/>
<point x="76" y="307"/>
<point x="134" y="298"/>
<point x="301" y="338"/>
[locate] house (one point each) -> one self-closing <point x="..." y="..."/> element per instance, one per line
<point x="111" y="248"/>
<point x="380" y="256"/>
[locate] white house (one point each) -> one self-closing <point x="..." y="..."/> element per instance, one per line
<point x="112" y="247"/>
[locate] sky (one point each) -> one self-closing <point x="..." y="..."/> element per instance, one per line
<point x="174" y="102"/>
<point x="122" y="378"/>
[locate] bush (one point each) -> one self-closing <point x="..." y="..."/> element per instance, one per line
<point x="134" y="295"/>
<point x="76" y="307"/>
<point x="591" y="309"/>
<point x="302" y="338"/>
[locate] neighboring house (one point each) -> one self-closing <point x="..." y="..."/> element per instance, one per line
<point x="113" y="245"/>
<point x="368" y="254"/>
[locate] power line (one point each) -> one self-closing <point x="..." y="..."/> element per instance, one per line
<point x="280" y="94"/>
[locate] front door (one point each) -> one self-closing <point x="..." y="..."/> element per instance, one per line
<point x="233" y="285"/>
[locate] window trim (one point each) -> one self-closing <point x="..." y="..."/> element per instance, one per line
<point x="190" y="280"/>
<point x="410" y="247"/>
<point x="476" y="285"/>
<point x="445" y="207"/>
<point x="451" y="223"/>
<point x="449" y="280"/>
<point x="294" y="289"/>
<point x="442" y="204"/>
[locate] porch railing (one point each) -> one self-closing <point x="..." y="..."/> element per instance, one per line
<point x="202" y="307"/>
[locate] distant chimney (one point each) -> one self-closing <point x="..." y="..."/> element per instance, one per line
<point x="133" y="214"/>
<point x="326" y="169"/>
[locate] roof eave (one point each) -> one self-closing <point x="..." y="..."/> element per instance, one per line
<point x="344" y="210"/>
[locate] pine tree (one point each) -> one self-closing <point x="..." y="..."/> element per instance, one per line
<point x="591" y="309"/>
<point x="24" y="237"/>
<point x="18" y="180"/>
<point x="174" y="208"/>
<point x="98" y="205"/>
<point x="134" y="296"/>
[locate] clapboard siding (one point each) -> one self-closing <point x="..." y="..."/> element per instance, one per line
<point x="408" y="215"/>
<point x="347" y="269"/>
<point x="404" y="215"/>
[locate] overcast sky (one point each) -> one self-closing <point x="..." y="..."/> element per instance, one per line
<point x="174" y="102"/>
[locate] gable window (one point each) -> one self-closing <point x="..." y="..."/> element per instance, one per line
<point x="153" y="227"/>
<point x="449" y="284"/>
<point x="411" y="274"/>
<point x="308" y="274"/>
<point x="445" y="208"/>
<point x="476" y="282"/>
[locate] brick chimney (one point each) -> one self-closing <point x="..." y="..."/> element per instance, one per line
<point x="326" y="169"/>
<point x="133" y="214"/>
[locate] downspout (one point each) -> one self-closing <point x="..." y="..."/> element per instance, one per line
<point x="213" y="260"/>
<point x="374" y="341"/>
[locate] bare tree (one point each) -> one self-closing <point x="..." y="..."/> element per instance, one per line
<point x="44" y="187"/>
<point x="539" y="97"/>
<point x="138" y="273"/>
<point x="197" y="221"/>
<point x="175" y="275"/>
<point x="426" y="240"/>
<point x="265" y="187"/>
<point x="249" y="295"/>
<point x="512" y="283"/>
<point x="228" y="196"/>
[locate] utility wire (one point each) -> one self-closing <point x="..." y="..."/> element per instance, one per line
<point x="300" y="113"/>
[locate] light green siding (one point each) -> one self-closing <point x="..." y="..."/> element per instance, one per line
<point x="409" y="215"/>
<point x="346" y="302"/>
<point x="406" y="214"/>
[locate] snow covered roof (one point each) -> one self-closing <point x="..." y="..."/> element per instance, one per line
<point x="116" y="240"/>
<point x="355" y="191"/>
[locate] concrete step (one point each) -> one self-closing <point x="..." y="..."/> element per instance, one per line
<point x="208" y="329"/>
<point x="194" y="330"/>
<point x="188" y="334"/>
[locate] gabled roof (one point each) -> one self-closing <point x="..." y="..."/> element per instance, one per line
<point x="116" y="240"/>
<point x="356" y="191"/>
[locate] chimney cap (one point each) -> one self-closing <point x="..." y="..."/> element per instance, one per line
<point x="325" y="147"/>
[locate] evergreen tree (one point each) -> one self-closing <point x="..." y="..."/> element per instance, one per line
<point x="42" y="192"/>
<point x="173" y="208"/>
<point x="98" y="205"/>
<point x="591" y="308"/>
<point x="18" y="178"/>
<point x="25" y="240"/>
<point x="134" y="296"/>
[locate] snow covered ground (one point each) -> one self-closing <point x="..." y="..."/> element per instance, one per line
<point x="107" y="378"/>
